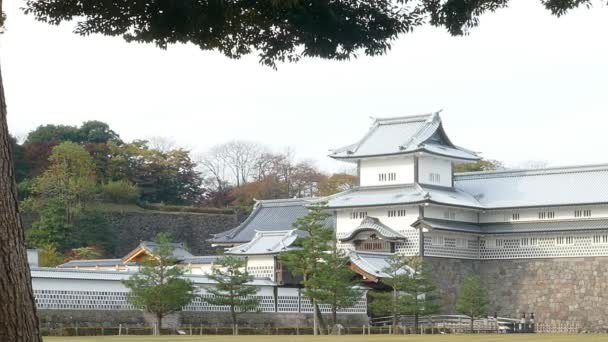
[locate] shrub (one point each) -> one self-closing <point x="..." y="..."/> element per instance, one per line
<point x="49" y="256"/>
<point x="120" y="192"/>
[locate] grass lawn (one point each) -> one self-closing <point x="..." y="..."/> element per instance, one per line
<point x="348" y="338"/>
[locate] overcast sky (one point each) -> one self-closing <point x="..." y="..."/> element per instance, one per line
<point x="523" y="86"/>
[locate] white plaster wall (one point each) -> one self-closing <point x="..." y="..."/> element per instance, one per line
<point x="527" y="215"/>
<point x="438" y="212"/>
<point x="403" y="166"/>
<point x="428" y="165"/>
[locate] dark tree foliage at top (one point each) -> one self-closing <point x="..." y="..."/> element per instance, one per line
<point x="278" y="30"/>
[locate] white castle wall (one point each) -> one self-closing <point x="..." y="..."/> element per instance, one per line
<point x="402" y="166"/>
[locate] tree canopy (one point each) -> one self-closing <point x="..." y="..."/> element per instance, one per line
<point x="278" y="30"/>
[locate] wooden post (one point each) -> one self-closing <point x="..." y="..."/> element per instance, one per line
<point x="201" y="332"/>
<point x="119" y="329"/>
<point x="363" y="329"/>
<point x="190" y="329"/>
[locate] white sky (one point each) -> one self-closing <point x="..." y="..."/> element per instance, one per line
<point x="523" y="86"/>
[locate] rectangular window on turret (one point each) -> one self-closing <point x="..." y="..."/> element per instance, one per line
<point x="564" y="240"/>
<point x="582" y="213"/>
<point x="396" y="213"/>
<point x="449" y="215"/>
<point x="437" y="240"/>
<point x="355" y="215"/>
<point x="434" y="177"/>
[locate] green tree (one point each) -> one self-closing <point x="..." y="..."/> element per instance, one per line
<point x="231" y="288"/>
<point x="20" y="164"/>
<point x="392" y="302"/>
<point x="70" y="179"/>
<point x="307" y="261"/>
<point x="472" y="299"/>
<point x="420" y="293"/>
<point x="277" y="30"/>
<point x="158" y="287"/>
<point x="97" y="132"/>
<point x="54" y="133"/>
<point x="48" y="256"/>
<point x="120" y="192"/>
<point x="334" y="284"/>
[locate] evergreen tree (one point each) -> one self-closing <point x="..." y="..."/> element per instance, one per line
<point x="472" y="299"/>
<point x="420" y="292"/>
<point x="334" y="284"/>
<point x="231" y="288"/>
<point x="392" y="303"/>
<point x="158" y="287"/>
<point x="307" y="261"/>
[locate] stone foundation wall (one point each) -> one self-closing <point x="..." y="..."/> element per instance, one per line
<point x="448" y="275"/>
<point x="562" y="290"/>
<point x="557" y="290"/>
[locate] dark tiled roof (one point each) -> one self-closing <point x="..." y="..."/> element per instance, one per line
<point x="272" y="215"/>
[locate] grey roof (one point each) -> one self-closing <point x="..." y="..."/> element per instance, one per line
<point x="401" y="194"/>
<point x="405" y="135"/>
<point x="575" y="185"/>
<point x="268" y="215"/>
<point x="178" y="249"/>
<point x="447" y="225"/>
<point x="554" y="226"/>
<point x="512" y="227"/>
<point x="94" y="263"/>
<point x="374" y="224"/>
<point x="270" y="242"/>
<point x="372" y="263"/>
<point x="58" y="273"/>
<point x="202" y="259"/>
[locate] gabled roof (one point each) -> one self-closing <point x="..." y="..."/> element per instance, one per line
<point x="373" y="224"/>
<point x="268" y="215"/>
<point x="370" y="265"/>
<point x="455" y="226"/>
<point x="271" y="242"/>
<point x="371" y="196"/>
<point x="149" y="248"/>
<point x="572" y="185"/>
<point x="405" y="135"/>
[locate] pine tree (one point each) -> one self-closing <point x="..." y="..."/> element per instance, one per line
<point x="231" y="288"/>
<point x="412" y="291"/>
<point x="308" y="260"/>
<point x="334" y="284"/>
<point x="158" y="287"/>
<point x="472" y="299"/>
<point x="420" y="291"/>
<point x="392" y="303"/>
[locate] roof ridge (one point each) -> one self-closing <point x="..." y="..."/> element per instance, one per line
<point x="531" y="172"/>
<point x="405" y="118"/>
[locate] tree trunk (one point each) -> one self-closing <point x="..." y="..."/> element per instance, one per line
<point x="322" y="325"/>
<point x="334" y="315"/>
<point x="18" y="321"/>
<point x="472" y="325"/>
<point x="416" y="321"/>
<point x="234" y="325"/>
<point x="159" y="323"/>
<point x="395" y="306"/>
